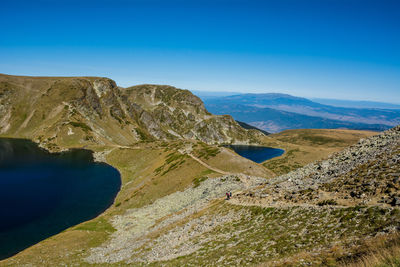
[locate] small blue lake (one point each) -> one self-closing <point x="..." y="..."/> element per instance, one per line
<point x="257" y="154"/>
<point x="42" y="194"/>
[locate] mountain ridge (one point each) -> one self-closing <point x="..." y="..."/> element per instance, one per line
<point x="356" y="103"/>
<point x="66" y="111"/>
<point x="272" y="120"/>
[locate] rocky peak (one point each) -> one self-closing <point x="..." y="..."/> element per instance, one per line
<point x="103" y="86"/>
<point x="152" y="96"/>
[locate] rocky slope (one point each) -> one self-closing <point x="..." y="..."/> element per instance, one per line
<point x="367" y="173"/>
<point x="135" y="238"/>
<point x="64" y="112"/>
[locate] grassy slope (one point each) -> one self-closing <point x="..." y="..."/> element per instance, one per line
<point x="143" y="183"/>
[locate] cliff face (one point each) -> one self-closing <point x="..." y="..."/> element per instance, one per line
<point x="89" y="110"/>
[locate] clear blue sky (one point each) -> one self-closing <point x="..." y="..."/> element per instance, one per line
<point x="343" y="49"/>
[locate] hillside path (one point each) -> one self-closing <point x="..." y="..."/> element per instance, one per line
<point x="207" y="166"/>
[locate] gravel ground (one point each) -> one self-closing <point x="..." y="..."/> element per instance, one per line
<point x="134" y="226"/>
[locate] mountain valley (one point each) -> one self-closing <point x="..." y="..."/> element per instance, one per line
<point x="331" y="199"/>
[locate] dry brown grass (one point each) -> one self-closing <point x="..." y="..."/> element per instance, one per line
<point x="143" y="184"/>
<point x="322" y="137"/>
<point x="227" y="160"/>
<point x="380" y="251"/>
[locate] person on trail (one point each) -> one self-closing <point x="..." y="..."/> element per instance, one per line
<point x="230" y="194"/>
<point x="227" y="195"/>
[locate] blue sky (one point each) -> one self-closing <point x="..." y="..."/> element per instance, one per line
<point x="342" y="49"/>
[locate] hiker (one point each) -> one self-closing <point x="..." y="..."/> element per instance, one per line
<point x="227" y="195"/>
<point x="230" y="194"/>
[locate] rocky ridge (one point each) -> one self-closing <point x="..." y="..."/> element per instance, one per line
<point x="62" y="112"/>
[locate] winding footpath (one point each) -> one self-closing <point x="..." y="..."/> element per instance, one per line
<point x="208" y="166"/>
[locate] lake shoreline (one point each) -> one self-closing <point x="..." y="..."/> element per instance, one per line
<point x="44" y="193"/>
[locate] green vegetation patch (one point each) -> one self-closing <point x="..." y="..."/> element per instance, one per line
<point x="99" y="225"/>
<point x="205" y="151"/>
<point x="172" y="161"/>
<point x="197" y="181"/>
<point x="312" y="137"/>
<point x="319" y="139"/>
<point x="81" y="125"/>
<point x="143" y="136"/>
<point x="284" y="164"/>
<point x="327" y="202"/>
<point x="202" y="177"/>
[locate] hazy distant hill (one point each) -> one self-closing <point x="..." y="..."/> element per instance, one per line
<point x="276" y="112"/>
<point x="210" y="94"/>
<point x="249" y="127"/>
<point x="355" y="104"/>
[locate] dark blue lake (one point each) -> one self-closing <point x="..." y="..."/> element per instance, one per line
<point x="42" y="194"/>
<point x="257" y="154"/>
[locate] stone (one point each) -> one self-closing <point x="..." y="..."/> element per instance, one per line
<point x="395" y="201"/>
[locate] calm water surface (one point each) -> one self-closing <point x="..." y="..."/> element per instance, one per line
<point x="257" y="154"/>
<point x="42" y="194"/>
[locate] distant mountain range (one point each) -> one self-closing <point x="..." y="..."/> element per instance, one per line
<point x="206" y="95"/>
<point x="276" y="112"/>
<point x="355" y="104"/>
